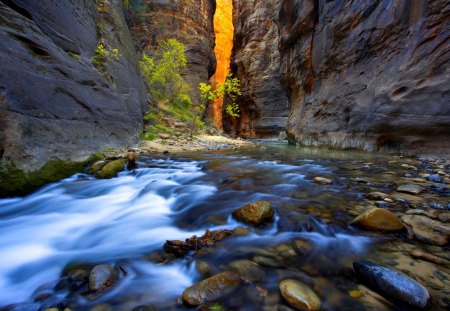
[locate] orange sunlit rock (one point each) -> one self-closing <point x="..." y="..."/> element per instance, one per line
<point x="223" y="28"/>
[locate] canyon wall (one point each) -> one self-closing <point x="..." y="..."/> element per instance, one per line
<point x="255" y="61"/>
<point x="189" y="21"/>
<point x="367" y="74"/>
<point x="59" y="100"/>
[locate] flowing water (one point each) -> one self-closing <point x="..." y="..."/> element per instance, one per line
<point x="82" y="221"/>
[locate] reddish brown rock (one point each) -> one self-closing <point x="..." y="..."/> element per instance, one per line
<point x="369" y="75"/>
<point x="256" y="62"/>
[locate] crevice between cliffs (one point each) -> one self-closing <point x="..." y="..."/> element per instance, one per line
<point x="224" y="32"/>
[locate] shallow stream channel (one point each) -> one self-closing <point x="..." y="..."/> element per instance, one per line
<point x="54" y="240"/>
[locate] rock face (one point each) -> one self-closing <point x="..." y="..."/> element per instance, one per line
<point x="54" y="103"/>
<point x="370" y="74"/>
<point x="392" y="284"/>
<point x="189" y="21"/>
<point x="256" y="62"/>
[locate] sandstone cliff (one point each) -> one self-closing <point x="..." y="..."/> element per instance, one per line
<point x="367" y="74"/>
<point x="189" y="21"/>
<point x="256" y="62"/>
<point x="54" y="103"/>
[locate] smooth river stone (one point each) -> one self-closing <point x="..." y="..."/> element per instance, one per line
<point x="378" y="219"/>
<point x="411" y="189"/>
<point x="255" y="213"/>
<point x="299" y="295"/>
<point x="392" y="284"/>
<point x="211" y="289"/>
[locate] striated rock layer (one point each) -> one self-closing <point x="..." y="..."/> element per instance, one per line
<point x="256" y="62"/>
<point x="189" y="21"/>
<point x="54" y="103"/>
<point x="367" y="74"/>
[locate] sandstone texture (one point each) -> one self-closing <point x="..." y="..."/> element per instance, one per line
<point x="367" y="74"/>
<point x="264" y="106"/>
<point x="55" y="104"/>
<point x="189" y="21"/>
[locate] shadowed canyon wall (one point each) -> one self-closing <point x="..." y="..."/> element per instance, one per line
<point x="189" y="21"/>
<point x="54" y="103"/>
<point x="367" y="74"/>
<point x="264" y="106"/>
<point x="224" y="31"/>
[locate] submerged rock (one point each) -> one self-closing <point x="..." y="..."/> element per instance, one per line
<point x="392" y="284"/>
<point x="378" y="219"/>
<point x="411" y="189"/>
<point x="102" y="277"/>
<point x="96" y="167"/>
<point x="299" y="295"/>
<point x="322" y="181"/>
<point x="111" y="169"/>
<point x="427" y="230"/>
<point x="377" y="196"/>
<point x="256" y="213"/>
<point x="212" y="289"/>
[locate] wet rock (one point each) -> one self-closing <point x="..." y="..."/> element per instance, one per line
<point x="409" y="167"/>
<point x="212" y="289"/>
<point x="299" y="295"/>
<point x="383" y="204"/>
<point x="444" y="217"/>
<point x="131" y="160"/>
<point x="430" y="258"/>
<point x="96" y="167"/>
<point x="242" y="231"/>
<point x="426" y="230"/>
<point x="102" y="277"/>
<point x="419" y="180"/>
<point x="392" y="284"/>
<point x="111" y="169"/>
<point x="248" y="270"/>
<point x="411" y="189"/>
<point x="323" y="181"/>
<point x="282" y="135"/>
<point x="378" y="219"/>
<point x="302" y="246"/>
<point x="145" y="308"/>
<point x="256" y="213"/>
<point x="180" y="248"/>
<point x="377" y="196"/>
<point x="435" y="178"/>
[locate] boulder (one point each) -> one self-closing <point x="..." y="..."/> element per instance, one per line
<point x="111" y="169"/>
<point x="212" y="289"/>
<point x="427" y="230"/>
<point x="102" y="277"/>
<point x="256" y="213"/>
<point x="392" y="284"/>
<point x="411" y="189"/>
<point x="378" y="219"/>
<point x="299" y="295"/>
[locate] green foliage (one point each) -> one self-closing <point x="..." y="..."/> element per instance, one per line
<point x="102" y="55"/>
<point x="162" y="71"/>
<point x="232" y="89"/>
<point x="75" y="56"/>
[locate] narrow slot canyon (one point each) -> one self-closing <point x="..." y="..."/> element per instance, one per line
<point x="224" y="32"/>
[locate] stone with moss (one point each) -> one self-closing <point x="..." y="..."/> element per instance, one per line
<point x="111" y="169"/>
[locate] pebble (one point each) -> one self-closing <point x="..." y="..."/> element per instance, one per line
<point x="378" y="219"/>
<point x="323" y="181"/>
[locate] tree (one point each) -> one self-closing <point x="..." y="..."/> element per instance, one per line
<point x="162" y="71"/>
<point x="231" y="88"/>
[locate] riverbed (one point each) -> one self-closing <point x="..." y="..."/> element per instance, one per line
<point x="82" y="221"/>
